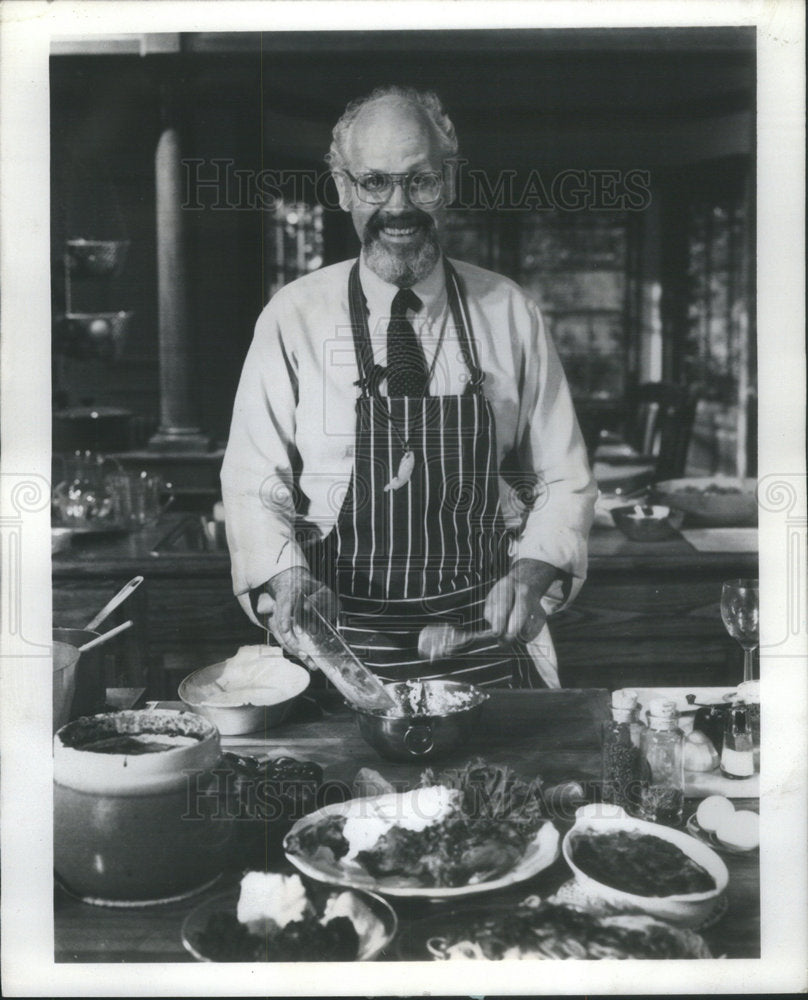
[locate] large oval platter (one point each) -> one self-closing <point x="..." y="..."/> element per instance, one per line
<point x="539" y="854"/>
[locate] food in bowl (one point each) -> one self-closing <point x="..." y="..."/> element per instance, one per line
<point x="647" y="523"/>
<point x="428" y="717"/>
<point x="639" y="863"/>
<point x="552" y="930"/>
<point x="254" y="689"/>
<point x="633" y="874"/>
<point x="424" y="698"/>
<point x="277" y="919"/>
<point x="254" y="676"/>
<point x="126" y="785"/>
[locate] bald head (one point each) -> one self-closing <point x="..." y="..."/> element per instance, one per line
<point x="422" y="103"/>
<point x="387" y="124"/>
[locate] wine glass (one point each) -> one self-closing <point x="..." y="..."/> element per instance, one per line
<point x="740" y="612"/>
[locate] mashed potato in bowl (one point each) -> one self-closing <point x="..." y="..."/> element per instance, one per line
<point x="256" y="687"/>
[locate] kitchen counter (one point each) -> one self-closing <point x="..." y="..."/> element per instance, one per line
<point x="552" y="734"/>
<point x="609" y="551"/>
<point x="648" y="612"/>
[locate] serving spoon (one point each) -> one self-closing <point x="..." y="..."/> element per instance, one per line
<point x="110" y="606"/>
<point x="99" y="639"/>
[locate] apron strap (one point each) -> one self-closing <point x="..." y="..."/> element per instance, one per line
<point x="459" y="310"/>
<point x="371" y="374"/>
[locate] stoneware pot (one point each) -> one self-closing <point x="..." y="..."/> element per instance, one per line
<point x="133" y="827"/>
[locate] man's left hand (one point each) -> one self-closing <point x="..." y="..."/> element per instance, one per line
<point x="513" y="606"/>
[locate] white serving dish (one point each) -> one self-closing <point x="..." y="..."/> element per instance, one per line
<point x="539" y="854"/>
<point x="290" y="680"/>
<point x="685" y="910"/>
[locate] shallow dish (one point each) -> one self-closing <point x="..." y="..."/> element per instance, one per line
<point x="685" y="909"/>
<point x="539" y="854"/>
<point x="290" y="680"/>
<point x="396" y="735"/>
<point x="372" y="941"/>
<point x="712" y="501"/>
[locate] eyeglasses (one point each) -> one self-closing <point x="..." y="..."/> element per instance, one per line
<point x="374" y="187"/>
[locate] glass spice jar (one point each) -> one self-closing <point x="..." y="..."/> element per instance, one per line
<point x="662" y="793"/>
<point x="621" y="753"/>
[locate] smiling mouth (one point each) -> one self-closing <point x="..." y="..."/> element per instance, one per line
<point x="400" y="232"/>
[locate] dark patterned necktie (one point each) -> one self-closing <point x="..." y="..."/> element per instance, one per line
<point x="406" y="365"/>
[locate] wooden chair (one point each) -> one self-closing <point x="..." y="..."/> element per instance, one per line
<point x="656" y="434"/>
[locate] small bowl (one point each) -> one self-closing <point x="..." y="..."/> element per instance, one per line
<point x="686" y="909"/>
<point x="403" y="736"/>
<point x="642" y="523"/>
<point x="234" y="720"/>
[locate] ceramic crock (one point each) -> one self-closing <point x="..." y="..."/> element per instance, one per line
<point x="132" y="826"/>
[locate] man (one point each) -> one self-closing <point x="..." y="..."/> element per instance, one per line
<point x="411" y="414"/>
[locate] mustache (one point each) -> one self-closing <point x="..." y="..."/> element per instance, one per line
<point x="414" y="217"/>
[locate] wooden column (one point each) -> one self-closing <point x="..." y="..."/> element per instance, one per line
<point x="178" y="429"/>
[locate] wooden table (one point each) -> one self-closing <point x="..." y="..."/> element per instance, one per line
<point x="551" y="734"/>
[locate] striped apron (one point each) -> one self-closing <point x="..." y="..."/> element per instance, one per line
<point x="429" y="551"/>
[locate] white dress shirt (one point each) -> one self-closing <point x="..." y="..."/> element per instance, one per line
<point x="294" y="417"/>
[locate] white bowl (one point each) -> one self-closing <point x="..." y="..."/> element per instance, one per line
<point x="290" y="679"/>
<point x="686" y="909"/>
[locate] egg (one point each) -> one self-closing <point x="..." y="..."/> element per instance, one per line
<point x="741" y="829"/>
<point x="367" y="820"/>
<point x="712" y="811"/>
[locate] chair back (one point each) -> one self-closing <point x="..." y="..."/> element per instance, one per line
<point x="660" y="424"/>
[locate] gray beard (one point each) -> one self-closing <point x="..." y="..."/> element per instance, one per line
<point x="403" y="268"/>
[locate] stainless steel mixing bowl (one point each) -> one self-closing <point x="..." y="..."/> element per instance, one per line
<point x="403" y="735"/>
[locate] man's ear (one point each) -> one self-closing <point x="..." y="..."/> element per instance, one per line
<point x="344" y="190"/>
<point x="450" y="172"/>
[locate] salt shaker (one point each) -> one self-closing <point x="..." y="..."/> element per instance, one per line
<point x="738" y="753"/>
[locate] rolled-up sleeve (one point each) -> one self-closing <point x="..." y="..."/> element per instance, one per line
<point x="256" y="477"/>
<point x="551" y="445"/>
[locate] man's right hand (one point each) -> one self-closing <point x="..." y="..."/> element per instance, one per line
<point x="285" y="592"/>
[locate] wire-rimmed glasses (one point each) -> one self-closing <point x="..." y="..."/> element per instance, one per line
<point x="423" y="187"/>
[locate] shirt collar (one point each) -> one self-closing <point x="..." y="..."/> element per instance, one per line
<point x="379" y="294"/>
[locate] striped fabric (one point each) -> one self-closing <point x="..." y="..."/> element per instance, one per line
<point x="429" y="551"/>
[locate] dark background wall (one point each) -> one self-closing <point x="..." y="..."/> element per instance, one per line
<point x="545" y="100"/>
